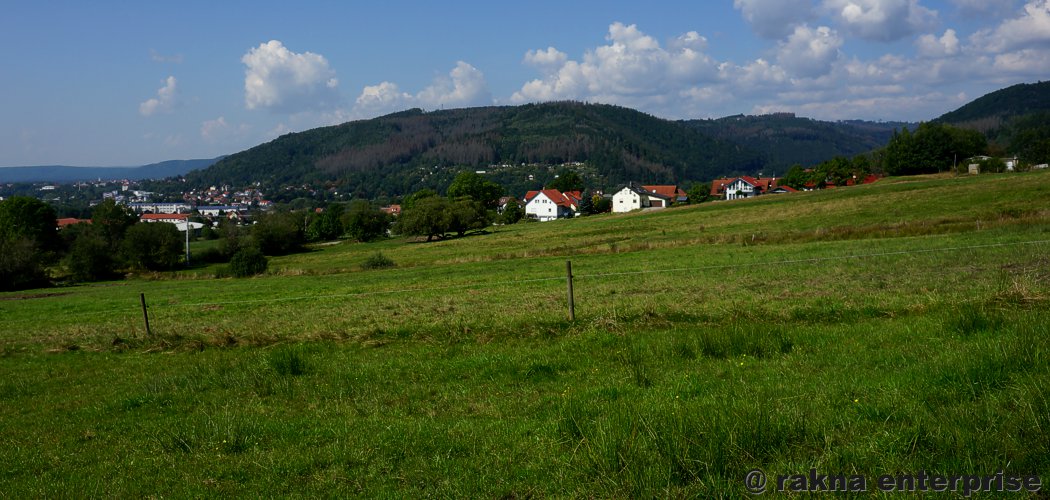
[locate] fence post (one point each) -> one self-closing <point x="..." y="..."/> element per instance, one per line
<point x="572" y="305"/>
<point x="145" y="315"/>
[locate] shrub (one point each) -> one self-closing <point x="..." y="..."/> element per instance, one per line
<point x="377" y="261"/>
<point x="153" y="246"/>
<point x="248" y="261"/>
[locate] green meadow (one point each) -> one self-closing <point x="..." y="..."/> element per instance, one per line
<point x="891" y="328"/>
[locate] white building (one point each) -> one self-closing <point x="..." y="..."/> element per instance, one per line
<point x="633" y="197"/>
<point x="550" y="204"/>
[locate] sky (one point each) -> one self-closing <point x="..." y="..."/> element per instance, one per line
<point x="110" y="83"/>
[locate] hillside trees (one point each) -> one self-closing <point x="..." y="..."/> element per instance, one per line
<point x="280" y="233"/>
<point x="365" y="222"/>
<point x="428" y="217"/>
<point x="477" y="187"/>
<point x="28" y="242"/>
<point x="512" y="213"/>
<point x="567" y="181"/>
<point x="113" y="220"/>
<point x="467" y="214"/>
<point x="153" y="246"/>
<point x="699" y="192"/>
<point x="327" y="225"/>
<point x="933" y="147"/>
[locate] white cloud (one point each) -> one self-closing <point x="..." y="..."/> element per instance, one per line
<point x="1026" y="63"/>
<point x="284" y="81"/>
<point x="464" y="86"/>
<point x="547" y="61"/>
<point x="1030" y="29"/>
<point x="632" y="67"/>
<point x="380" y="99"/>
<point x="774" y="19"/>
<point x="932" y="47"/>
<point x="165" y="100"/>
<point x="809" y="52"/>
<point x="882" y="20"/>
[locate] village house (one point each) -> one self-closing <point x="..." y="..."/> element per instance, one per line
<point x="180" y="220"/>
<point x="550" y="204"/>
<point x="742" y="187"/>
<point x="633" y="197"/>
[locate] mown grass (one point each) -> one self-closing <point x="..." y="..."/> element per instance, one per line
<point x="828" y="340"/>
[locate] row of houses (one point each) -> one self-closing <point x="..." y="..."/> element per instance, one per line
<point x="551" y="204"/>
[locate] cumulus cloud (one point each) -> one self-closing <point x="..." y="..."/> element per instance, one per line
<point x="165" y="100"/>
<point x="809" y="52"/>
<point x="1030" y="29"/>
<point x="379" y="99"/>
<point x="547" y="61"/>
<point x="631" y="67"/>
<point x="774" y="19"/>
<point x="881" y="20"/>
<point x="464" y="86"/>
<point x="284" y="81"/>
<point x="931" y="46"/>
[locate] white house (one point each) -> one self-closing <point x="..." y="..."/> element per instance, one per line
<point x="633" y="197"/>
<point x="551" y="204"/>
<point x="746" y="187"/>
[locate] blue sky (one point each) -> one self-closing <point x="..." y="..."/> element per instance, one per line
<point x="128" y="83"/>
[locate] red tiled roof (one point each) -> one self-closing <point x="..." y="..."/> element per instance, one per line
<point x="567" y="200"/>
<point x="69" y="221"/>
<point x="672" y="192"/>
<point x="148" y="217"/>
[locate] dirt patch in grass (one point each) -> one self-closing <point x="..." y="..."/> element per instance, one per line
<point x="28" y="296"/>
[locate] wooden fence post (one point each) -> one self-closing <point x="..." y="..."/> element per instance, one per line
<point x="572" y="305"/>
<point x="145" y="315"/>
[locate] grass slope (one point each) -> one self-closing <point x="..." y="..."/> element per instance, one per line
<point x="881" y="329"/>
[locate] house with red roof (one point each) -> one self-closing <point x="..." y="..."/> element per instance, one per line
<point x="632" y="197"/>
<point x="69" y="221"/>
<point x="551" y="204"/>
<point x="742" y="187"/>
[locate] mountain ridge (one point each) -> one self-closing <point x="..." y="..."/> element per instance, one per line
<point x="65" y="173"/>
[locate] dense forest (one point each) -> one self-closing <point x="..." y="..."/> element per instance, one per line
<point x="783" y="140"/>
<point x="404" y="152"/>
<point x="1016" y="121"/>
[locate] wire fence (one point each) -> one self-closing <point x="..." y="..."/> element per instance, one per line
<point x="129" y="311"/>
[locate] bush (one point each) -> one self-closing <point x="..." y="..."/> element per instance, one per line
<point x="154" y="246"/>
<point x="377" y="261"/>
<point x="248" y="261"/>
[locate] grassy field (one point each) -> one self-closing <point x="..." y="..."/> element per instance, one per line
<point x="881" y="329"/>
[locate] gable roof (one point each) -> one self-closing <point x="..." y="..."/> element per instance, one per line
<point x="569" y="199"/>
<point x="668" y="192"/>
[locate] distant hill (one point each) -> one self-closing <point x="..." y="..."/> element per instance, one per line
<point x="403" y="152"/>
<point x="59" y="173"/>
<point x="1015" y="119"/>
<point x="782" y="139"/>
<point x="991" y="110"/>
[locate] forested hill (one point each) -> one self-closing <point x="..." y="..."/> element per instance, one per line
<point x="1017" y="100"/>
<point x="400" y="153"/>
<point x="1016" y="120"/>
<point x="782" y="139"/>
